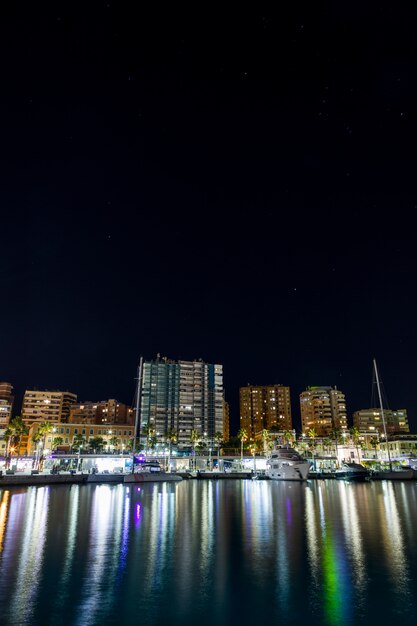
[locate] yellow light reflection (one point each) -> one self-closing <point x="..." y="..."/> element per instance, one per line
<point x="4" y="504"/>
<point x="394" y="543"/>
<point x="30" y="560"/>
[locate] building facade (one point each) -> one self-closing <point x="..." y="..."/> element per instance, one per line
<point x="53" y="406"/>
<point x="323" y="409"/>
<point x="6" y="404"/>
<point x="400" y="447"/>
<point x="104" y="412"/>
<point x="117" y="438"/>
<point x="226" y="421"/>
<point x="181" y="396"/>
<point x="370" y="420"/>
<point x="265" y="407"/>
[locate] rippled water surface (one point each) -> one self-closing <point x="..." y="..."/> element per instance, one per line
<point x="226" y="552"/>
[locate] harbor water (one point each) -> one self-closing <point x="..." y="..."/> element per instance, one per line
<point x="209" y="552"/>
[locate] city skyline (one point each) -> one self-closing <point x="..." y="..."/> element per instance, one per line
<point x="235" y="414"/>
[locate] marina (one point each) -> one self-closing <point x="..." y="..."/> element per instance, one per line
<point x="209" y="551"/>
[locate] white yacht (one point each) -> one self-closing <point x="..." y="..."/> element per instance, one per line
<point x="285" y="463"/>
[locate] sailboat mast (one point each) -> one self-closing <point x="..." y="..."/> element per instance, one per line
<point x="138" y="392"/>
<point x="382" y="413"/>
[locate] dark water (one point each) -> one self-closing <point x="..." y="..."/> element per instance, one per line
<point x="206" y="552"/>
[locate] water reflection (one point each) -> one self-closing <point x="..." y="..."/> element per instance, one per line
<point x="102" y="561"/>
<point x="4" y="502"/>
<point x="209" y="551"/>
<point x="354" y="542"/>
<point x="28" y="513"/>
<point x="393" y="539"/>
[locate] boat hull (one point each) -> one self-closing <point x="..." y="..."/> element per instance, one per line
<point x="354" y="472"/>
<point x="297" y="471"/>
<point x="352" y="476"/>
<point x="151" y="477"/>
<point x="388" y="475"/>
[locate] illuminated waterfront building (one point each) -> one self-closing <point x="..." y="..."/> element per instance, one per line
<point x="104" y="412"/>
<point x="181" y="396"/>
<point x="226" y="421"/>
<point x="401" y="447"/>
<point x="6" y="403"/>
<point x="323" y="409"/>
<point x="53" y="406"/>
<point x="265" y="407"/>
<point x="369" y="420"/>
<point x="118" y="437"/>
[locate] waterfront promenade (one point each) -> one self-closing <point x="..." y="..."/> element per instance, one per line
<point x="67" y="478"/>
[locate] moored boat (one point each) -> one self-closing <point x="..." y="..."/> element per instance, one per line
<point x="353" y="472"/>
<point x="400" y="474"/>
<point x="150" y="472"/>
<point x="285" y="463"/>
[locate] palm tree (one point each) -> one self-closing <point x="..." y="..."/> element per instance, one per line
<point x="78" y="443"/>
<point x="288" y="437"/>
<point x="374" y="441"/>
<point x="265" y="439"/>
<point x="194" y="439"/>
<point x="171" y="438"/>
<point x="9" y="437"/>
<point x="19" y="427"/>
<point x="327" y="443"/>
<point x="336" y="435"/>
<point x="149" y="432"/>
<point x="96" y="443"/>
<point x="36" y="439"/>
<point x="243" y="436"/>
<point x="218" y="440"/>
<point x="114" y="442"/>
<point x="45" y="428"/>
<point x="57" y="441"/>
<point x="312" y="433"/>
<point x="355" y="434"/>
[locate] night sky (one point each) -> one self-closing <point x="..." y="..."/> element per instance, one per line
<point x="238" y="186"/>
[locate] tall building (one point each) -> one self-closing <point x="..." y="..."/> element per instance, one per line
<point x="53" y="406"/>
<point x="226" y="421"/>
<point x="370" y="420"/>
<point x="182" y="396"/>
<point x="323" y="409"/>
<point x="104" y="412"/>
<point x="265" y="407"/>
<point x="6" y="403"/>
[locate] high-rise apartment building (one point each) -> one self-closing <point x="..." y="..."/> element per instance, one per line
<point x="53" y="406"/>
<point x="323" y="409"/>
<point x="182" y="396"/>
<point x="265" y="407"/>
<point x="226" y="421"/>
<point x="370" y="420"/>
<point x="104" y="412"/>
<point x="6" y="403"/>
